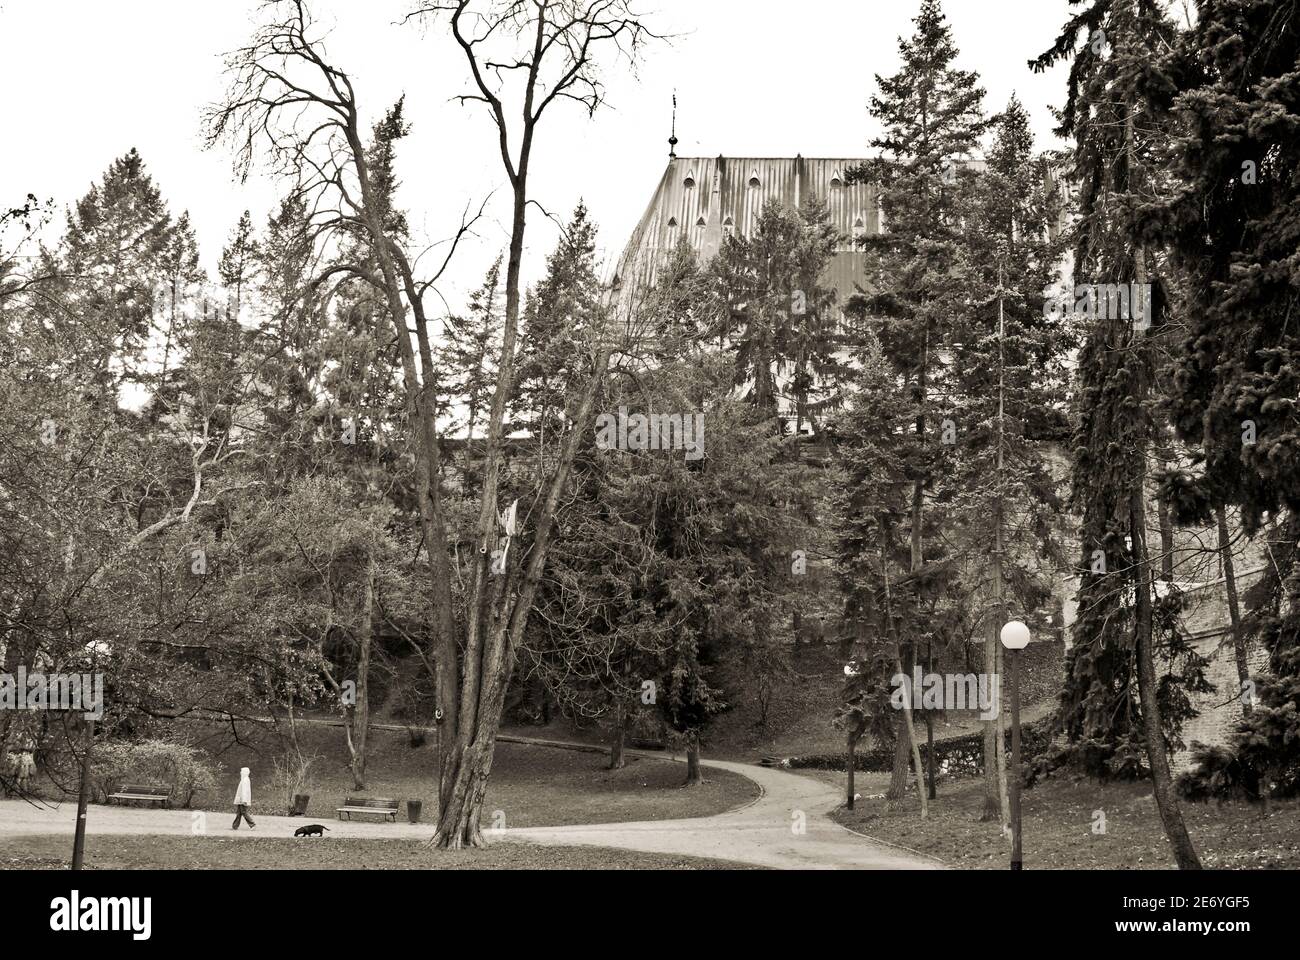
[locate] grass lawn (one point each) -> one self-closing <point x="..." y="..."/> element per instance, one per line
<point x="210" y="853"/>
<point x="531" y="786"/>
<point x="1058" y="828"/>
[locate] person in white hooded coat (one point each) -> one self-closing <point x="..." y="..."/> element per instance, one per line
<point x="243" y="800"/>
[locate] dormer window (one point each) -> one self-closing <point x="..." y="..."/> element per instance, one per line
<point x="754" y="183"/>
<point x="672" y="222"/>
<point x="728" y="226"/>
<point x="689" y="182"/>
<point x="701" y="222"/>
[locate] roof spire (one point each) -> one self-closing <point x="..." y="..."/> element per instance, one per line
<point x="672" y="140"/>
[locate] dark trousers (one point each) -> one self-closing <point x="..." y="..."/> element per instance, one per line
<point x="241" y="812"/>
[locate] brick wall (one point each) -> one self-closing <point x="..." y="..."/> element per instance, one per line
<point x="1218" y="711"/>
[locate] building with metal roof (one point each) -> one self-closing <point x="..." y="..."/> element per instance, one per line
<point x="705" y="199"/>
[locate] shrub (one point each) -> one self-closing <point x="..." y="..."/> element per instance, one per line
<point x="291" y="774"/>
<point x="188" y="771"/>
<point x="954" y="757"/>
<point x="1217" y="774"/>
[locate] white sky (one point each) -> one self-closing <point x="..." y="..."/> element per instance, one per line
<point x="83" y="81"/>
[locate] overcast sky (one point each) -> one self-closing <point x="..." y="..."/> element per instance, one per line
<point x="83" y="81"/>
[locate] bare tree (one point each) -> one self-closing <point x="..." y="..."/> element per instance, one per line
<point x="288" y="99"/>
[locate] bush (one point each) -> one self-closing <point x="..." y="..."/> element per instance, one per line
<point x="954" y="757"/>
<point x="291" y="775"/>
<point x="1262" y="755"/>
<point x="1217" y="774"/>
<point x="188" y="771"/>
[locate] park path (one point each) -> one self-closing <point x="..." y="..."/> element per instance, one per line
<point x="765" y="832"/>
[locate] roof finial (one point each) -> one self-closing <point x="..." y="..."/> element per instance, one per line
<point x="672" y="141"/>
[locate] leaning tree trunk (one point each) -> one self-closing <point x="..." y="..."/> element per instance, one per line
<point x="902" y="739"/>
<point x="494" y="636"/>
<point x="1157" y="754"/>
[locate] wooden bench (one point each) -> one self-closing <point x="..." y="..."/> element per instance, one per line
<point x="142" y="792"/>
<point x="374" y="806"/>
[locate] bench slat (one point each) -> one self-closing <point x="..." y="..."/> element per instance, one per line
<point x="381" y="806"/>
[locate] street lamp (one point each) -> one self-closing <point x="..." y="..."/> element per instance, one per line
<point x="94" y="648"/>
<point x="1015" y="637"/>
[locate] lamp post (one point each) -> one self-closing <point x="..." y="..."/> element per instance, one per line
<point x="437" y="726"/>
<point x="852" y="742"/>
<point x="94" y="648"/>
<point x="1015" y="637"/>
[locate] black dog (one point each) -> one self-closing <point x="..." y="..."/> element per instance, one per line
<point x="311" y="830"/>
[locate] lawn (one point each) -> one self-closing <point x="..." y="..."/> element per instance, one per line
<point x="530" y="786"/>
<point x="210" y="853"/>
<point x="1059" y="818"/>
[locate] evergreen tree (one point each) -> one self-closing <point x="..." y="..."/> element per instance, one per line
<point x="560" y="312"/>
<point x="919" y="268"/>
<point x="180" y="298"/>
<point x="1116" y="114"/>
<point x="1010" y="382"/>
<point x="1232" y="230"/>
<point x="874" y="561"/>
<point x="774" y="313"/>
<point x="116" y="238"/>
<point x="238" y="267"/>
<point x="468" y="357"/>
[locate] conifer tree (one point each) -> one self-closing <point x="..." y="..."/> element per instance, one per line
<point x="560" y="312"/>
<point x="116" y="238"/>
<point x="919" y="272"/>
<point x="469" y="353"/>
<point x="775" y="314"/>
<point x="237" y="269"/>
<point x="1231" y="231"/>
<point x="1010" y="382"/>
<point x="1116" y="114"/>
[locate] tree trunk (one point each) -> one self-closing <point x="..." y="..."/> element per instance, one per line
<point x="852" y="762"/>
<point x="359" y="732"/>
<point x="1234" y="609"/>
<point x="916" y="753"/>
<point x="616" y="761"/>
<point x="996" y="801"/>
<point x="929" y="753"/>
<point x="693" y="777"/>
<point x="1166" y="524"/>
<point x="1004" y="798"/>
<point x="493" y="643"/>
<point x="1157" y="755"/>
<point x="902" y="741"/>
<point x="992" y="810"/>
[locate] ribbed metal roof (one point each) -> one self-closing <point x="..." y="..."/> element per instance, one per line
<point x="705" y="198"/>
